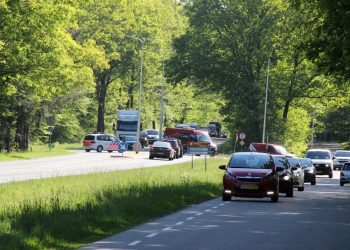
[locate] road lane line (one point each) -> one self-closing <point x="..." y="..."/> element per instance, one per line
<point x="179" y="223"/>
<point x="221" y="204"/>
<point x="151" y="235"/>
<point x="134" y="243"/>
<point x="166" y="229"/>
<point x="190" y="218"/>
<point x="215" y="207"/>
<point x="199" y="214"/>
<point x="207" y="210"/>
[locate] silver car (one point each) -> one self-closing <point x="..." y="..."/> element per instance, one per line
<point x="345" y="174"/>
<point x="341" y="157"/>
<point x="298" y="173"/>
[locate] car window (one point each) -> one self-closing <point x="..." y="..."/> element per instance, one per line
<point x="305" y="162"/>
<point x="346" y="167"/>
<point x="130" y="138"/>
<point x="293" y="162"/>
<point x="342" y="153"/>
<point x="280" y="162"/>
<point x="89" y="137"/>
<point x="251" y="161"/>
<point x="318" y="155"/>
<point x="152" y="132"/>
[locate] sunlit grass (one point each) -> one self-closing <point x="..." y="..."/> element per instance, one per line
<point x="39" y="151"/>
<point x="68" y="212"/>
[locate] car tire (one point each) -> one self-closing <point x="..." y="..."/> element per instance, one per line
<point x="330" y="176"/>
<point x="226" y="197"/>
<point x="301" y="188"/>
<point x="87" y="150"/>
<point x="99" y="149"/>
<point x="341" y="184"/>
<point x="110" y="151"/>
<point x="289" y="192"/>
<point x="313" y="182"/>
<point x="274" y="198"/>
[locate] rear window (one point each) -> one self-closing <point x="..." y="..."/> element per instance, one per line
<point x="89" y="137"/>
<point x="251" y="161"/>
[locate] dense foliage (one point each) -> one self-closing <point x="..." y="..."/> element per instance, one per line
<point x="67" y="67"/>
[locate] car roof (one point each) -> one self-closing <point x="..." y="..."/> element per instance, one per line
<point x="250" y="153"/>
<point x="319" y="149"/>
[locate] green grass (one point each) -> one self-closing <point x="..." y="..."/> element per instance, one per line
<point x="69" y="212"/>
<point x="39" y="151"/>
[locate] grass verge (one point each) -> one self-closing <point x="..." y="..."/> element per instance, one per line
<point x="40" y="151"/>
<point x="69" y="212"/>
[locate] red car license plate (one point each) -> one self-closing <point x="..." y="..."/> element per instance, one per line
<point x="249" y="186"/>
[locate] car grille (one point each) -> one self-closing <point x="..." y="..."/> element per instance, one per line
<point x="249" y="179"/>
<point x="342" y="161"/>
<point x="320" y="166"/>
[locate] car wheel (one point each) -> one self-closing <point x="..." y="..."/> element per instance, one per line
<point x="301" y="188"/>
<point x="151" y="157"/>
<point x="289" y="192"/>
<point x="330" y="175"/>
<point x="99" y="149"/>
<point x="110" y="151"/>
<point x="226" y="197"/>
<point x="87" y="150"/>
<point x="341" y="184"/>
<point x="274" y="198"/>
<point x="313" y="182"/>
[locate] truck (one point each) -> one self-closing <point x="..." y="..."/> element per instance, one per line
<point x="127" y="123"/>
<point x="214" y="129"/>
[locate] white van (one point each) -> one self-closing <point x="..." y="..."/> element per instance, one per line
<point x="99" y="142"/>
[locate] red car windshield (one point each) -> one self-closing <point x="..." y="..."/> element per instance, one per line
<point x="251" y="161"/>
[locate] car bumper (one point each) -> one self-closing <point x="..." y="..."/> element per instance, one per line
<point x="308" y="177"/>
<point x="250" y="190"/>
<point x="159" y="155"/>
<point x="344" y="179"/>
<point x="324" y="170"/>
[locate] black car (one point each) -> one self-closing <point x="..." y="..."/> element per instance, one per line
<point x="152" y="136"/>
<point x="285" y="175"/>
<point x="309" y="170"/>
<point x="176" y="146"/>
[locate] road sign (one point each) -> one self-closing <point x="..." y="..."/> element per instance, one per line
<point x="242" y="136"/>
<point x="122" y="147"/>
<point x="241" y="142"/>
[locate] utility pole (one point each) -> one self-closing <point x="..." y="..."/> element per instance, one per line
<point x="161" y="104"/>
<point x="267" y="89"/>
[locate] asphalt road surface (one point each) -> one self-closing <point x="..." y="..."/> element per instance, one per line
<point x="316" y="219"/>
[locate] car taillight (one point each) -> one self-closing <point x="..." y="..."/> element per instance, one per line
<point x="341" y="174"/>
<point x="92" y="142"/>
<point x="151" y="149"/>
<point x="168" y="149"/>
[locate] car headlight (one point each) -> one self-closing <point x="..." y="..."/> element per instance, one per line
<point x="229" y="176"/>
<point x="327" y="165"/>
<point x="296" y="174"/>
<point x="286" y="177"/>
<point x="311" y="171"/>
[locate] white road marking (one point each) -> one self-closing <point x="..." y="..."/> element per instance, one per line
<point x="221" y="204"/>
<point x="189" y="218"/>
<point x="134" y="243"/>
<point x="207" y="210"/>
<point x="179" y="223"/>
<point x="215" y="207"/>
<point x="199" y="214"/>
<point x="151" y="235"/>
<point x="166" y="229"/>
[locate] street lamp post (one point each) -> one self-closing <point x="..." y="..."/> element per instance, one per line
<point x="161" y="105"/>
<point x="142" y="41"/>
<point x="267" y="88"/>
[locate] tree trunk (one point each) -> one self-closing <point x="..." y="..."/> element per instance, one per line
<point x="102" y="83"/>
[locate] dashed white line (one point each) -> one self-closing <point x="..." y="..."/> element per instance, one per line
<point x="166" y="229"/>
<point x="179" y="223"/>
<point x="215" y="207"/>
<point x="151" y="235"/>
<point x="221" y="204"/>
<point x="207" y="210"/>
<point x="134" y="243"/>
<point x="190" y="218"/>
<point x="199" y="214"/>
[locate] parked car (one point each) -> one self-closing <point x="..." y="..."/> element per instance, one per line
<point x="250" y="174"/>
<point x="285" y="175"/>
<point x="345" y="174"/>
<point x="269" y="148"/>
<point x="322" y="160"/>
<point x="340" y="157"/>
<point x="130" y="140"/>
<point x="309" y="170"/>
<point x="298" y="173"/>
<point x="161" y="149"/>
<point x="152" y="136"/>
<point x="176" y="146"/>
<point x="143" y="139"/>
<point x="99" y="142"/>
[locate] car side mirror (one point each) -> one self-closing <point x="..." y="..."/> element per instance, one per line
<point x="279" y="169"/>
<point x="222" y="167"/>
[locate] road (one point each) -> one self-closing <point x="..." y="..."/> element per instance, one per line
<point x="78" y="163"/>
<point x="318" y="218"/>
<point x="81" y="162"/>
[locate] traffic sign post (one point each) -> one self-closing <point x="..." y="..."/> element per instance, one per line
<point x="199" y="148"/>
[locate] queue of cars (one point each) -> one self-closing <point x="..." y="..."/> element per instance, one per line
<point x="270" y="169"/>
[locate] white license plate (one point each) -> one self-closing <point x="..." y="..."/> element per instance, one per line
<point x="249" y="186"/>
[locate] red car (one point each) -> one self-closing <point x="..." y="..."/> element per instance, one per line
<point x="250" y="174"/>
<point x="269" y="148"/>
